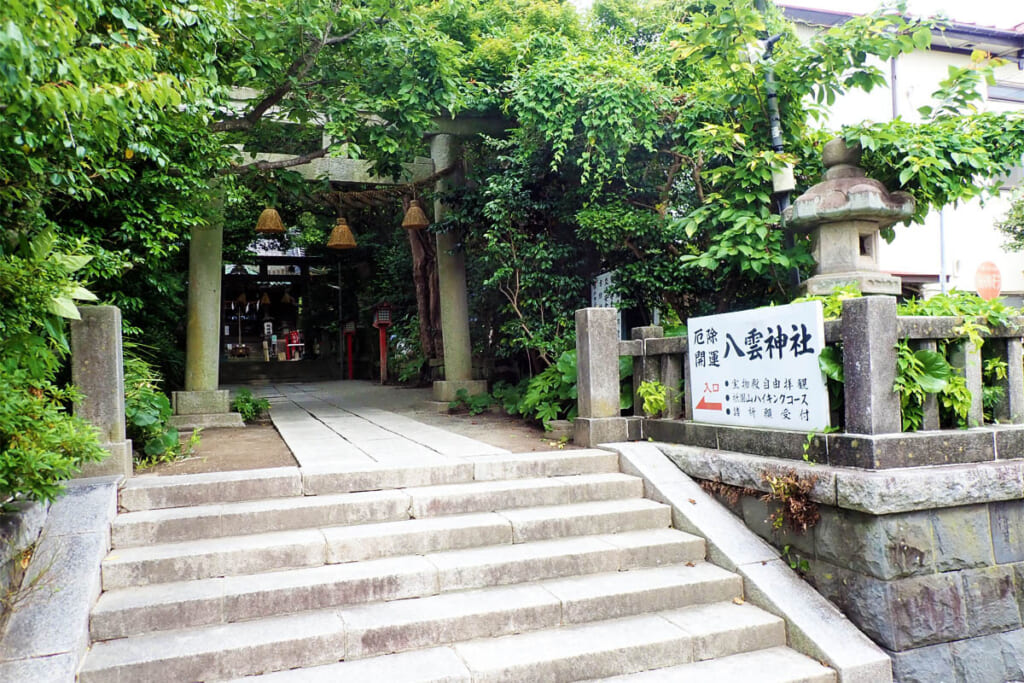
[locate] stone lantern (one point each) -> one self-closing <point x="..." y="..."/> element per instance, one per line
<point x="844" y="213"/>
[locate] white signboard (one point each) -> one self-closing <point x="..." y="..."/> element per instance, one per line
<point x="759" y="368"/>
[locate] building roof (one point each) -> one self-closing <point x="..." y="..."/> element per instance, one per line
<point x="951" y="37"/>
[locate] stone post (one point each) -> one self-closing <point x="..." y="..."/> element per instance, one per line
<point x="967" y="357"/>
<point x="597" y="383"/>
<point x="1011" y="407"/>
<point x="930" y="409"/>
<point x="645" y="368"/>
<point x="97" y="370"/>
<point x="451" y="275"/>
<point x="869" y="365"/>
<point x="202" y="404"/>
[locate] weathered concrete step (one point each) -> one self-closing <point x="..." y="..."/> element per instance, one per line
<point x="279" y="514"/>
<point x="544" y="464"/>
<point x="255" y="553"/>
<point x="431" y="501"/>
<point x="129" y="611"/>
<point x="218" y="652"/>
<point x="772" y="665"/>
<point x="401" y="625"/>
<point x="431" y="534"/>
<point x="435" y="665"/>
<point x="258" y="516"/>
<point x="626" y="645"/>
<point x="570" y="653"/>
<point x="181" y="490"/>
<point x="228" y="556"/>
<point x="494" y="612"/>
<point x="322" y="480"/>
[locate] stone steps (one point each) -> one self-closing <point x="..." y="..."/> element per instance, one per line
<point x="770" y="665"/>
<point x="299" y="512"/>
<point x="546" y="567"/>
<point x="515" y="633"/>
<point x="249" y="554"/>
<point x="583" y="651"/>
<point x="183" y="490"/>
<point x="130" y="611"/>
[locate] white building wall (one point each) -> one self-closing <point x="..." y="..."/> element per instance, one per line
<point x="970" y="233"/>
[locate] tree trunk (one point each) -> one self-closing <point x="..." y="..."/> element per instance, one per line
<point x="428" y="302"/>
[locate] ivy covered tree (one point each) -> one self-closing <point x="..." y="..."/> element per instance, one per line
<point x="88" y="93"/>
<point x="658" y="126"/>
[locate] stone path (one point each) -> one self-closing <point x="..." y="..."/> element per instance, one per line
<point x="330" y="423"/>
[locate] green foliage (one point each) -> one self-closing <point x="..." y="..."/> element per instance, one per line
<point x="994" y="373"/>
<point x="248" y="406"/>
<point x="41" y="443"/>
<point x="509" y="396"/>
<point x="955" y="402"/>
<point x="919" y="373"/>
<point x="830" y="360"/>
<point x="475" y="404"/>
<point x="551" y="395"/>
<point x="946" y="158"/>
<point x="405" y="354"/>
<point x="148" y="413"/>
<point x="532" y="273"/>
<point x="654" y="395"/>
<point x="832" y="305"/>
<point x="978" y="314"/>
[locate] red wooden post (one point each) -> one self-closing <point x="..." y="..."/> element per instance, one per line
<point x="383" y="354"/>
<point x="381" y="320"/>
<point x="348" y="351"/>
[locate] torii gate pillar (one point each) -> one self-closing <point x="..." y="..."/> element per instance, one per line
<point x="451" y="272"/>
<point x="203" y="404"/>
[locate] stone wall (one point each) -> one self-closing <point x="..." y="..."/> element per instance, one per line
<point x="938" y="582"/>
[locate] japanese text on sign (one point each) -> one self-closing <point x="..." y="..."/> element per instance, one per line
<point x="759" y="368"/>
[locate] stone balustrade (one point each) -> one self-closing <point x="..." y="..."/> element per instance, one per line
<point x="869" y="433"/>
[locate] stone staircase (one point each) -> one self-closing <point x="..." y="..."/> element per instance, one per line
<point x="525" y="567"/>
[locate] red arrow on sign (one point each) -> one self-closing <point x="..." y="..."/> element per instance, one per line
<point x="703" y="404"/>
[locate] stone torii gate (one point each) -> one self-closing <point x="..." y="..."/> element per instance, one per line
<point x="204" y="404"/>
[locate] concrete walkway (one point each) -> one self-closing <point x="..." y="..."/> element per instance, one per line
<point x="327" y="424"/>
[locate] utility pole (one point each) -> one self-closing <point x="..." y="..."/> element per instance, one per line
<point x="783" y="182"/>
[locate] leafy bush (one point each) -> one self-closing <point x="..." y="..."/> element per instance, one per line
<point x="552" y="394"/>
<point x="475" y="404"/>
<point x="508" y="396"/>
<point x="919" y="373"/>
<point x="147" y="415"/>
<point x="655" y="396"/>
<point x="41" y="443"/>
<point x="248" y="406"/>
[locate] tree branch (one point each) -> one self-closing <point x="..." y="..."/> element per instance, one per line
<point x="299" y="68"/>
<point x="272" y="165"/>
<point x="335" y="40"/>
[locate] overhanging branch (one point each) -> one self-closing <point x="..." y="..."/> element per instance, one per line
<point x="273" y="165"/>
